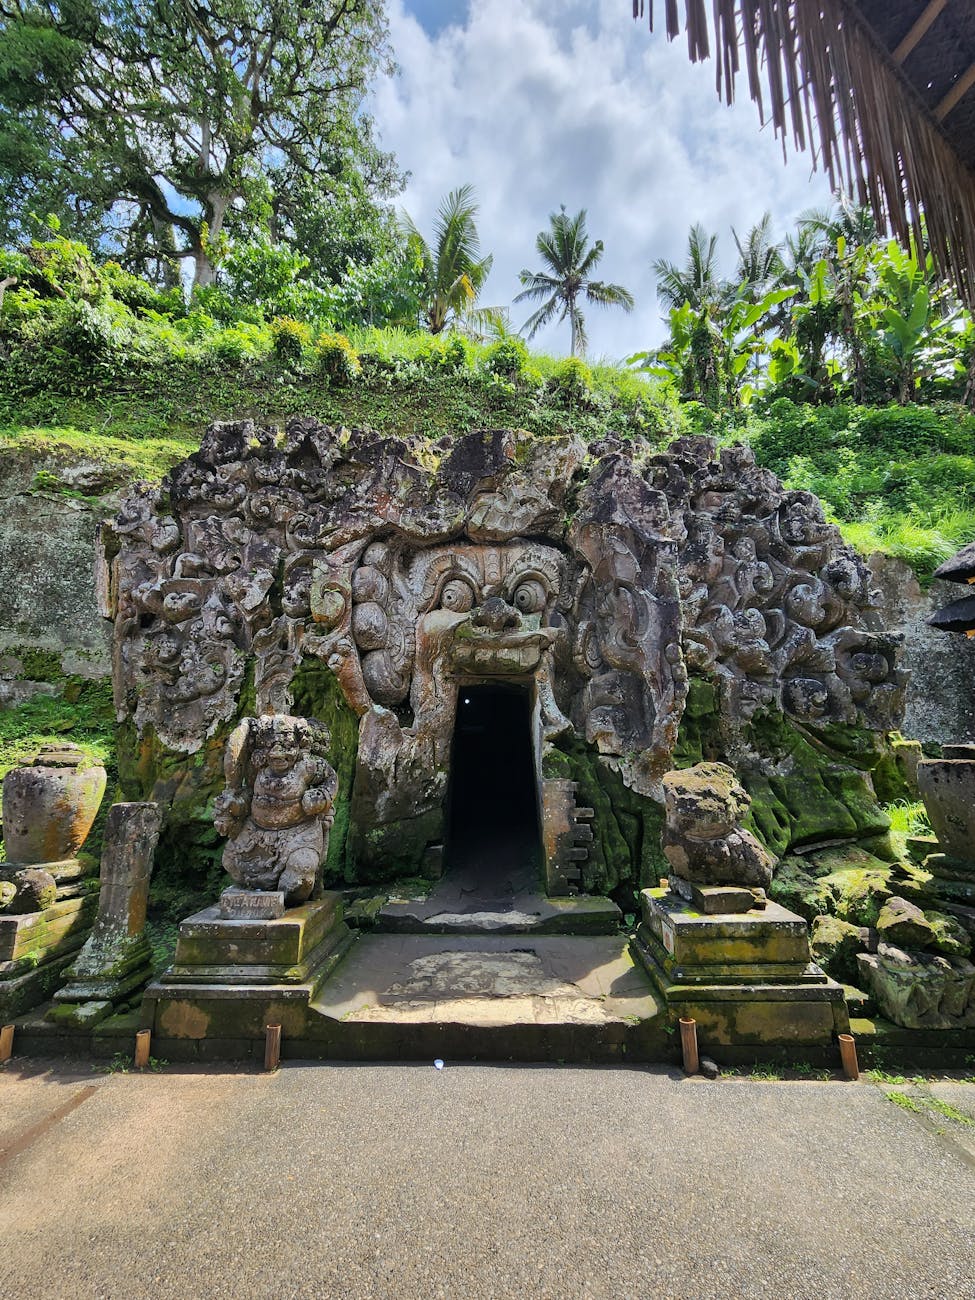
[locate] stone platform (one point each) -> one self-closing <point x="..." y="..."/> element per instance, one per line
<point x="231" y="978"/>
<point x="481" y="894"/>
<point x="37" y="947"/>
<point x="528" y="913"/>
<point x="746" y="978"/>
<point x="579" y="998"/>
<point x="418" y="997"/>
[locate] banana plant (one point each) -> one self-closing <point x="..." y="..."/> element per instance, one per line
<point x="911" y="316"/>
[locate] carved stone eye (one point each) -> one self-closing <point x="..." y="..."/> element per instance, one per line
<point x="529" y="597"/>
<point x="457" y="596"/>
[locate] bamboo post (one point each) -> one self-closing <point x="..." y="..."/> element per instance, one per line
<point x="272" y="1047"/>
<point x="143" y="1044"/>
<point x="688" y="1044"/>
<point x="848" y="1055"/>
<point x="6" y="1042"/>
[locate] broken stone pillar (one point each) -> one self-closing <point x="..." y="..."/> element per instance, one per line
<point x="715" y="864"/>
<point x="116" y="960"/>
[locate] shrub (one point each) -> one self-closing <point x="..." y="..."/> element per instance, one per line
<point x="85" y="332"/>
<point x="571" y="382"/>
<point x="337" y="359"/>
<point x="236" y="345"/>
<point x="289" y="338"/>
<point x="449" y="356"/>
<point x="508" y="358"/>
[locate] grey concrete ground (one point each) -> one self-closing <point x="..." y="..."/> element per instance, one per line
<point x="389" y="1181"/>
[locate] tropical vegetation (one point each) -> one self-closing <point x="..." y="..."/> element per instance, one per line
<point x="566" y="281"/>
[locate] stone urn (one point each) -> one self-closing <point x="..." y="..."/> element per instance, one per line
<point x="49" y="807"/>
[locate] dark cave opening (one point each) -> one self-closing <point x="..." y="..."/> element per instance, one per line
<point x="493" y="835"/>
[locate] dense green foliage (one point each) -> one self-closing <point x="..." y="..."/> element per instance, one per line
<point x="830" y="314"/>
<point x="246" y="119"/>
<point x="897" y="479"/>
<point x="94" y="355"/>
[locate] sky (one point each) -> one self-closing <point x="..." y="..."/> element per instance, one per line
<point x="537" y="103"/>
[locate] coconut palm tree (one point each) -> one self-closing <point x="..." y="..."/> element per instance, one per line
<point x="452" y="271"/>
<point x="759" y="259"/>
<point x="569" y="260"/>
<point x="697" y="281"/>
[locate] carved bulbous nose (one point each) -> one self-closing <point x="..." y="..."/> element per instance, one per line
<point x="495" y="615"/>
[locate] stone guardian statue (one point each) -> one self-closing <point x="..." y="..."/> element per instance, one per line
<point x="277" y="808"/>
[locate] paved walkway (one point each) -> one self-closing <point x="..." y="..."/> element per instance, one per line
<point x="402" y="1181"/>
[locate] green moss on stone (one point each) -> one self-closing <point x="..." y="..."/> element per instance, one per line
<point x="317" y="694"/>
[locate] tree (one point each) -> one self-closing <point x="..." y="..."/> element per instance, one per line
<point x="452" y="271"/>
<point x="697" y="281"/>
<point x="759" y="258"/>
<point x="167" y="152"/>
<point x="565" y="250"/>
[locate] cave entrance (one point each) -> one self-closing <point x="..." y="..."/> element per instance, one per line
<point x="493" y="841"/>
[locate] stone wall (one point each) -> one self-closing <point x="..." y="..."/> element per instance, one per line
<point x="941" y="693"/>
<point x="50" y="508"/>
<point x="51" y="504"/>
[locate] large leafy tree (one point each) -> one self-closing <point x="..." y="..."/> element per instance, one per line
<point x="168" y="122"/>
<point x="567" y="280"/>
<point x="452" y="269"/>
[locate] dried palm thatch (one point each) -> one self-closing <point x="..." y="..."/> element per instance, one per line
<point x="855" y="83"/>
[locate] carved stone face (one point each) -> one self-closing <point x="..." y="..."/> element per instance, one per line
<point x="479" y="610"/>
<point x="488" y="607"/>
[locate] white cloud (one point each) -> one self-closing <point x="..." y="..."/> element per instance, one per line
<point x="538" y="104"/>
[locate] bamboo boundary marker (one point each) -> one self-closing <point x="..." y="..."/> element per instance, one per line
<point x="143" y="1046"/>
<point x="6" y="1042"/>
<point x="848" y="1055"/>
<point x="272" y="1047"/>
<point x="688" y="1044"/>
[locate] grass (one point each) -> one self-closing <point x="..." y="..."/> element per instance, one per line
<point x="923" y="545"/>
<point x="148" y="457"/>
<point x="908" y="818"/>
<point x="86" y="718"/>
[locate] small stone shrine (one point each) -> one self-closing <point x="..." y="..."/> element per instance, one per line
<point x="366" y="659"/>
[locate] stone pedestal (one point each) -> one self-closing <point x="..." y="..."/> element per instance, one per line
<point x="36" y="946"/>
<point x="116" y="959"/>
<point x="747" y="978"/>
<point x="232" y="977"/>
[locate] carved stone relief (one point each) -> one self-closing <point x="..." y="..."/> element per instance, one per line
<point x="598" y="576"/>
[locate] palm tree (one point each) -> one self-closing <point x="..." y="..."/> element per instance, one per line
<point x="565" y="250"/>
<point x="759" y="259"/>
<point x="453" y="270"/>
<point x="696" y="282"/>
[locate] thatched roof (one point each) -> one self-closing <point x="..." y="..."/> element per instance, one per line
<point x="881" y="91"/>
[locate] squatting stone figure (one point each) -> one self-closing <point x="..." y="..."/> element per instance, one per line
<point x="277" y="807"/>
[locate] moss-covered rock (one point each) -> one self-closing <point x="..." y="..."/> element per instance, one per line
<point x="626" y="850"/>
<point x="807" y="784"/>
<point x="905" y="925"/>
<point x="835" y="946"/>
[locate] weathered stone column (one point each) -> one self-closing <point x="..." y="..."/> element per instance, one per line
<point x="116" y="959"/>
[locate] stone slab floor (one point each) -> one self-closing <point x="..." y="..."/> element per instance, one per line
<point x="476" y="1181"/>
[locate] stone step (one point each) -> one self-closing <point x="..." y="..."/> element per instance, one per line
<point x="550" y="998"/>
<point x="578" y="914"/>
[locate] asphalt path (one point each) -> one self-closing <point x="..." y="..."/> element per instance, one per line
<point x="478" y="1181"/>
